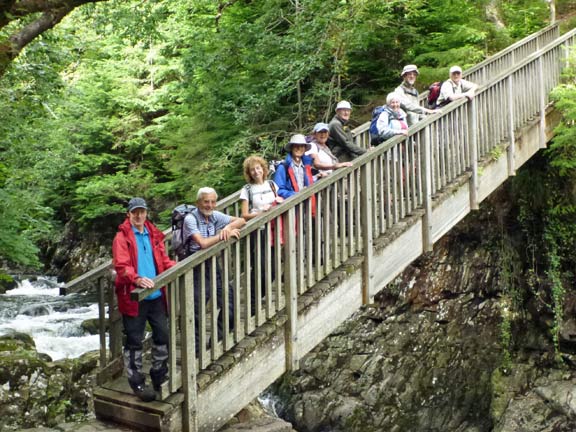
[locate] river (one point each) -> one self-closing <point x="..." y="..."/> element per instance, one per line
<point x="35" y="307"/>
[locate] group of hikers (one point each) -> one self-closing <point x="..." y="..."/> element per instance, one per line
<point x="139" y="253"/>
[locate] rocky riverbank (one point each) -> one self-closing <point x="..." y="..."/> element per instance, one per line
<point x="441" y="350"/>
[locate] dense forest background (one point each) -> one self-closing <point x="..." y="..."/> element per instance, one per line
<point x="159" y="98"/>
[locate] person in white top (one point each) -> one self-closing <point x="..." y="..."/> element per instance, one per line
<point x="324" y="160"/>
<point x="456" y="88"/>
<point x="259" y="194"/>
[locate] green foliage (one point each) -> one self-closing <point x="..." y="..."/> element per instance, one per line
<point x="157" y="99"/>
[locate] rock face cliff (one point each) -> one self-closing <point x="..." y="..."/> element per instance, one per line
<point x="433" y="352"/>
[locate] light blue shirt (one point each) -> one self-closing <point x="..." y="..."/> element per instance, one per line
<point x="146" y="267"/>
<point x="196" y="223"/>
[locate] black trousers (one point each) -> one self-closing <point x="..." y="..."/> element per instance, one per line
<point x="152" y="311"/>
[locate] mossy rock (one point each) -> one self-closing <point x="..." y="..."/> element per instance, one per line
<point x="14" y="340"/>
<point x="91" y="326"/>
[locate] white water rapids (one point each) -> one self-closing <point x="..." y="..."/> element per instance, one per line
<point x="54" y="321"/>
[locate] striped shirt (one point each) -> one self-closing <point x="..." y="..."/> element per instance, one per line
<point x="197" y="224"/>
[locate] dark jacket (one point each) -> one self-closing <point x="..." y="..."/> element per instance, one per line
<point x="125" y="262"/>
<point x="341" y="141"/>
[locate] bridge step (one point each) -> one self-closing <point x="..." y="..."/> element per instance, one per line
<point x="116" y="402"/>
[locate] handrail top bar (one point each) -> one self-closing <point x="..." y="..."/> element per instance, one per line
<point x="76" y="284"/>
<point x="424" y="94"/>
<point x="508" y="49"/>
<point x="97" y="272"/>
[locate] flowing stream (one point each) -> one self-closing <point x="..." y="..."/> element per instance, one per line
<point x="36" y="308"/>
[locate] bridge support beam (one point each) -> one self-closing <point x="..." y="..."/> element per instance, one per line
<point x="367" y="228"/>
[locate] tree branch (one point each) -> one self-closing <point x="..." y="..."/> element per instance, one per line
<point x="52" y="12"/>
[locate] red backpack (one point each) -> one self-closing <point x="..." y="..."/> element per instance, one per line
<point x="433" y="93"/>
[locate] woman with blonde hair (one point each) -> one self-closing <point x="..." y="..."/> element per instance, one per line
<point x="258" y="195"/>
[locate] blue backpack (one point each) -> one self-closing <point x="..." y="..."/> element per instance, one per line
<point x="375" y="137"/>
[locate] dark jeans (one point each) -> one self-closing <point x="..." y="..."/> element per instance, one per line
<point x="219" y="297"/>
<point x="153" y="311"/>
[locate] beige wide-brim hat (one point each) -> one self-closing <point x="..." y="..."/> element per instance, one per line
<point x="297" y="139"/>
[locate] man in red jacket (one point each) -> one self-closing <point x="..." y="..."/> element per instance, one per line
<point x="139" y="255"/>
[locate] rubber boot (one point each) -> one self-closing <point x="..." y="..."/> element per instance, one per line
<point x="136" y="379"/>
<point x="140" y="389"/>
<point x="159" y="376"/>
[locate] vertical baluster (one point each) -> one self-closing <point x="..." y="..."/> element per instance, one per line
<point x="214" y="308"/>
<point x="301" y="228"/>
<point x="228" y="339"/>
<point x="309" y="230"/>
<point x="188" y="362"/>
<point x="247" y="285"/>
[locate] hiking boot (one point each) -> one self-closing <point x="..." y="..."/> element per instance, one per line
<point x="158" y="377"/>
<point x="144" y="393"/>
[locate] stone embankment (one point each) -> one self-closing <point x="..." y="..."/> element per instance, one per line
<point x="433" y="353"/>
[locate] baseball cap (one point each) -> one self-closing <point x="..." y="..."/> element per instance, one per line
<point x="343" y="105"/>
<point x="318" y="127"/>
<point x="135" y="203"/>
<point x="455" y="69"/>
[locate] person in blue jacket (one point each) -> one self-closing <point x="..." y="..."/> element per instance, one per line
<point x="296" y="171"/>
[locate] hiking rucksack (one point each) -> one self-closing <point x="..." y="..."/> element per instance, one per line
<point x="272" y="166"/>
<point x="433" y="93"/>
<point x="375" y="137"/>
<point x="248" y="188"/>
<point x="178" y="243"/>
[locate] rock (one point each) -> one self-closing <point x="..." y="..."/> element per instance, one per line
<point x="255" y="418"/>
<point x="428" y="355"/>
<point x="13" y="340"/>
<point x="7" y="282"/>
<point x="544" y="409"/>
<point x="91" y="326"/>
<point x="36" y="310"/>
<point x="36" y="392"/>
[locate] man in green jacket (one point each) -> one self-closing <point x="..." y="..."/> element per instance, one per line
<point x="341" y="141"/>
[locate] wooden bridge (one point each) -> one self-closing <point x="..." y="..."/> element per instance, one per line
<point x="371" y="221"/>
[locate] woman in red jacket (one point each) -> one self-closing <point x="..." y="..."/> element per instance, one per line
<point x="139" y="256"/>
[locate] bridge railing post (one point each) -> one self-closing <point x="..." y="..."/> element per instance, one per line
<point x="542" y="102"/>
<point x="367" y="232"/>
<point x="187" y="327"/>
<point x="426" y="167"/>
<point x="473" y="141"/>
<point x="511" y="129"/>
<point x="291" y="289"/>
<point x="103" y="286"/>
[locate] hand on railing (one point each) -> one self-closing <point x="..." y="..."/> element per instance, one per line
<point x="228" y="232"/>
<point x="144" y="282"/>
<point x="342" y="165"/>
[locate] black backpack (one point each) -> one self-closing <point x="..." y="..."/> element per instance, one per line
<point x="178" y="244"/>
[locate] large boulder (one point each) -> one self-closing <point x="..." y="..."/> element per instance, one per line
<point x="34" y="391"/>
